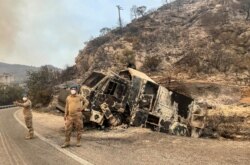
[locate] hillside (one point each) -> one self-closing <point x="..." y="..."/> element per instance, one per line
<point x="19" y="71"/>
<point x="185" y="39"/>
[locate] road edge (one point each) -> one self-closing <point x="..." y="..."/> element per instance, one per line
<point x="57" y="147"/>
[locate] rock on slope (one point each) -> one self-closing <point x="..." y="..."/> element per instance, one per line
<point x="187" y="37"/>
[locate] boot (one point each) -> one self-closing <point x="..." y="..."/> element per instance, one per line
<point x="28" y="137"/>
<point x="65" y="145"/>
<point x="31" y="135"/>
<point x="78" y="143"/>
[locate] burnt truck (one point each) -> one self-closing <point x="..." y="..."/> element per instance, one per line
<point x="131" y="97"/>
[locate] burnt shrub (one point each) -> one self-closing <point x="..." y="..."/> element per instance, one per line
<point x="99" y="41"/>
<point x="213" y="19"/>
<point x="132" y="30"/>
<point x="224" y="126"/>
<point x="128" y="58"/>
<point x="135" y="42"/>
<point x="152" y="62"/>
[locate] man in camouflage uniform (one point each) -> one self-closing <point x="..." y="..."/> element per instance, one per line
<point x="75" y="104"/>
<point x="27" y="112"/>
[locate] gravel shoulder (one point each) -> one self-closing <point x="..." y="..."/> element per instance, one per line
<point x="142" y="146"/>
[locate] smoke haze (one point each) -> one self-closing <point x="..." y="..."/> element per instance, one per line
<point x="39" y="32"/>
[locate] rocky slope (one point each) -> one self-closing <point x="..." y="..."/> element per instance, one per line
<point x="187" y="38"/>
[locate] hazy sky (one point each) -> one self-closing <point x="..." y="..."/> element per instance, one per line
<point x="39" y="32"/>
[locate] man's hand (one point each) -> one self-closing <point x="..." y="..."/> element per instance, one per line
<point x="65" y="118"/>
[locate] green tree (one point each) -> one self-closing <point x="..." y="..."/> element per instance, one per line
<point x="40" y="84"/>
<point x="68" y="73"/>
<point x="8" y="94"/>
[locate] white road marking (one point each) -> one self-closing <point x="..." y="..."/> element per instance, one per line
<point x="18" y="151"/>
<point x="50" y="142"/>
<point x="5" y="149"/>
<point x="12" y="152"/>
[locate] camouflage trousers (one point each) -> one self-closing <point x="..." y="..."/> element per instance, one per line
<point x="77" y="122"/>
<point x="29" y="125"/>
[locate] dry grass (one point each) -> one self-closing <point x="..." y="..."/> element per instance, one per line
<point x="229" y="122"/>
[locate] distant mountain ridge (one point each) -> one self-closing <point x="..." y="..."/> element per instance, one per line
<point x="19" y="71"/>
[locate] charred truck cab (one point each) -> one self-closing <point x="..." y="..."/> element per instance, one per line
<point x="156" y="107"/>
<point x="131" y="97"/>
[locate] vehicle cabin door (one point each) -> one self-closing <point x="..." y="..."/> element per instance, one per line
<point x="145" y="103"/>
<point x="114" y="94"/>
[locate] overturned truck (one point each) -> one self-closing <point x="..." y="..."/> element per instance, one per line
<point x="131" y="97"/>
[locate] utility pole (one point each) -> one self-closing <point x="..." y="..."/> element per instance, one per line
<point x="4" y="88"/>
<point x="119" y="13"/>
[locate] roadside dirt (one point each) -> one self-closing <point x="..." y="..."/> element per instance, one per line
<point x="142" y="146"/>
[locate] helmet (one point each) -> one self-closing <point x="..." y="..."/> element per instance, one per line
<point x="24" y="95"/>
<point x="73" y="87"/>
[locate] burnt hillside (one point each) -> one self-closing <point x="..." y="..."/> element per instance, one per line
<point x="189" y="38"/>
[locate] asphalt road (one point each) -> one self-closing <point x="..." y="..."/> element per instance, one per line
<point x="133" y="146"/>
<point x="15" y="150"/>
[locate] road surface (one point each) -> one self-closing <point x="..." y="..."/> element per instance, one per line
<point x="15" y="150"/>
<point x="133" y="146"/>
